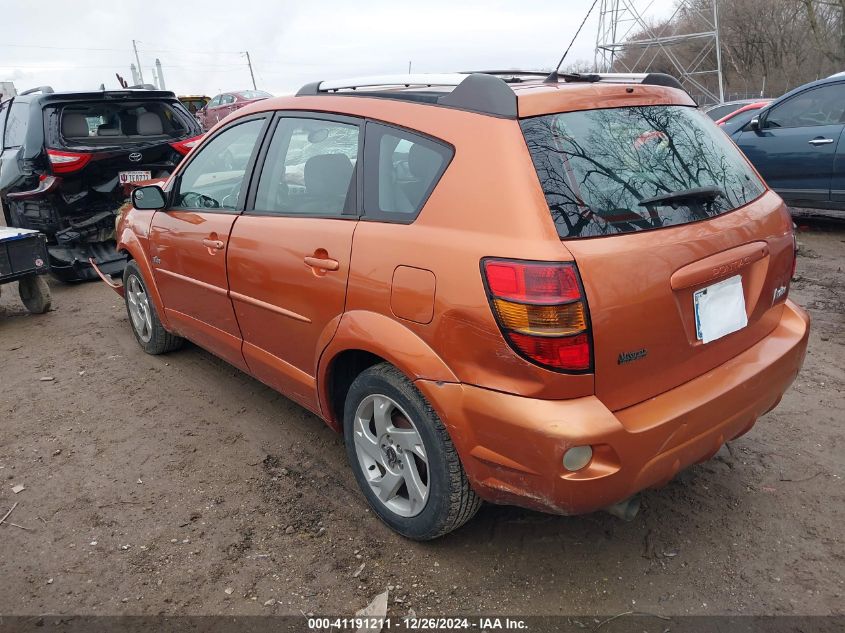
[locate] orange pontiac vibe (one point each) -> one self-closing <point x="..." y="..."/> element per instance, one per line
<point x="547" y="291"/>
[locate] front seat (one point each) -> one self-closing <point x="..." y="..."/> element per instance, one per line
<point x="149" y="124"/>
<point x="327" y="178"/>
<point x="74" y="125"/>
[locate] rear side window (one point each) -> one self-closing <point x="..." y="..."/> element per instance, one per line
<point x="622" y="170"/>
<point x="401" y="170"/>
<point x="309" y="169"/>
<point x="15" y="132"/>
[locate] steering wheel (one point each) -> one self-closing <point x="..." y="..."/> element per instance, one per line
<point x="194" y="200"/>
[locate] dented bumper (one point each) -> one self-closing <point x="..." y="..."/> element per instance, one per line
<point x="512" y="447"/>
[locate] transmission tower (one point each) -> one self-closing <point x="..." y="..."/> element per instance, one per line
<point x="628" y="41"/>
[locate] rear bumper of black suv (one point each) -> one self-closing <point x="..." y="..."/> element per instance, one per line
<point x="70" y="263"/>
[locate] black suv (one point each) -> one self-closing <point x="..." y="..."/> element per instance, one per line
<point x="69" y="159"/>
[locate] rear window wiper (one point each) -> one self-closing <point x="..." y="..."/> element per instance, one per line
<point x="699" y="193"/>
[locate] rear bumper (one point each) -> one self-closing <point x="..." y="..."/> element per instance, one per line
<point x="512" y="447"/>
<point x="72" y="263"/>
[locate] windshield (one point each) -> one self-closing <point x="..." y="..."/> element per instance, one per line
<point x="596" y="168"/>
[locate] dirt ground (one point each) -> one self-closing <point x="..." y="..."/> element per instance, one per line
<point x="178" y="485"/>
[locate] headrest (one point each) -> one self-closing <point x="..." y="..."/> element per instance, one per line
<point x="149" y="124"/>
<point x="423" y="162"/>
<point x="328" y="174"/>
<point x="74" y="125"/>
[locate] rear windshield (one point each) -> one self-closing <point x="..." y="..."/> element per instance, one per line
<point x="255" y="94"/>
<point x="105" y="123"/>
<point x="632" y="169"/>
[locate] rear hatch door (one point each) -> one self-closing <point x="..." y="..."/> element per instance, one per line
<point x="656" y="205"/>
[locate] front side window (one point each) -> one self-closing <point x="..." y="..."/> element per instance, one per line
<point x="214" y="177"/>
<point x="630" y="169"/>
<point x="309" y="169"/>
<point x="214" y="102"/>
<point x="401" y="170"/>
<point x="227" y="99"/>
<point x="818" y="106"/>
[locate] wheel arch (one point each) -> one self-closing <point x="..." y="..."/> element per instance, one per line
<point x="131" y="246"/>
<point x="364" y="339"/>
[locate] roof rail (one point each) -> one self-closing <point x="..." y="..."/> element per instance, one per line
<point x="477" y="92"/>
<point x="485" y="92"/>
<point x="42" y="89"/>
<point x="653" y="79"/>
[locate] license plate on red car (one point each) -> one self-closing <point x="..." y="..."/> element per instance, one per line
<point x="134" y="176"/>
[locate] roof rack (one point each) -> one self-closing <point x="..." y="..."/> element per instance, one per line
<point x="485" y="92"/>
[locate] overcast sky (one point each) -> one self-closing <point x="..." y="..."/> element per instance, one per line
<point x="80" y="44"/>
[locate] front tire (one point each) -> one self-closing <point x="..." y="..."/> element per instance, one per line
<point x="403" y="458"/>
<point x="146" y="326"/>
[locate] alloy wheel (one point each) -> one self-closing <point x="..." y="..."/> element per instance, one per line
<point x="139" y="308"/>
<point x="391" y="454"/>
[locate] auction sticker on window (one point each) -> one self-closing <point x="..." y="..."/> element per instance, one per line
<point x="719" y="309"/>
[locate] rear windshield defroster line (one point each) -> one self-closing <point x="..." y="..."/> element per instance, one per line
<point x="596" y="167"/>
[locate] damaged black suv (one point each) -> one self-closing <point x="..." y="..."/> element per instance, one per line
<point x="68" y="161"/>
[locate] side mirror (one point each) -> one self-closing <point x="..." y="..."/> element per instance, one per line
<point x="149" y="198"/>
<point x="754" y="124"/>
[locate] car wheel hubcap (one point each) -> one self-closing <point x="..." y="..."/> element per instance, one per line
<point x="139" y="309"/>
<point x="391" y="454"/>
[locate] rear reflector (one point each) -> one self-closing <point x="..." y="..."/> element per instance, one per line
<point x="67" y="162"/>
<point x="183" y="147"/>
<point x="542" y="312"/>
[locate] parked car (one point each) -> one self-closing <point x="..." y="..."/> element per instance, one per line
<point x="194" y="103"/>
<point x="551" y="293"/>
<point x="717" y="111"/>
<point x="66" y="158"/>
<point x="224" y="104"/>
<point x="737" y="119"/>
<point x="796" y="144"/>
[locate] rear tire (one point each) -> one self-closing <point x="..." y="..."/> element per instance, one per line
<point x="146" y="326"/>
<point x="35" y="294"/>
<point x="403" y="458"/>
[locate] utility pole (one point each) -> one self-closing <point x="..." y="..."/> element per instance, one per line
<point x="137" y="59"/>
<point x="409" y="68"/>
<point x="251" y="74"/>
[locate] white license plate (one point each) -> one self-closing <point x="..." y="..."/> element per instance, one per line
<point x="134" y="176"/>
<point x="719" y="309"/>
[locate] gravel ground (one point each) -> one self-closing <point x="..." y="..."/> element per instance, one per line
<point x="178" y="485"/>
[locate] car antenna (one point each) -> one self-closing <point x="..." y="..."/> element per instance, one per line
<point x="553" y="76"/>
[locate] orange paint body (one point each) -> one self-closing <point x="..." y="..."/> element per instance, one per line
<point x="283" y="297"/>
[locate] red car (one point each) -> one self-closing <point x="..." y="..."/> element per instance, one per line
<point x="737" y="119"/>
<point x="224" y="104"/>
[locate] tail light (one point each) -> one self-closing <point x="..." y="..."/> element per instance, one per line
<point x="542" y="311"/>
<point x="67" y="162"/>
<point x="45" y="185"/>
<point x="183" y="147"/>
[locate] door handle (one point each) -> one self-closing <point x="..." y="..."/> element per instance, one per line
<point x="217" y="245"/>
<point x="322" y="263"/>
<point x="821" y="141"/>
